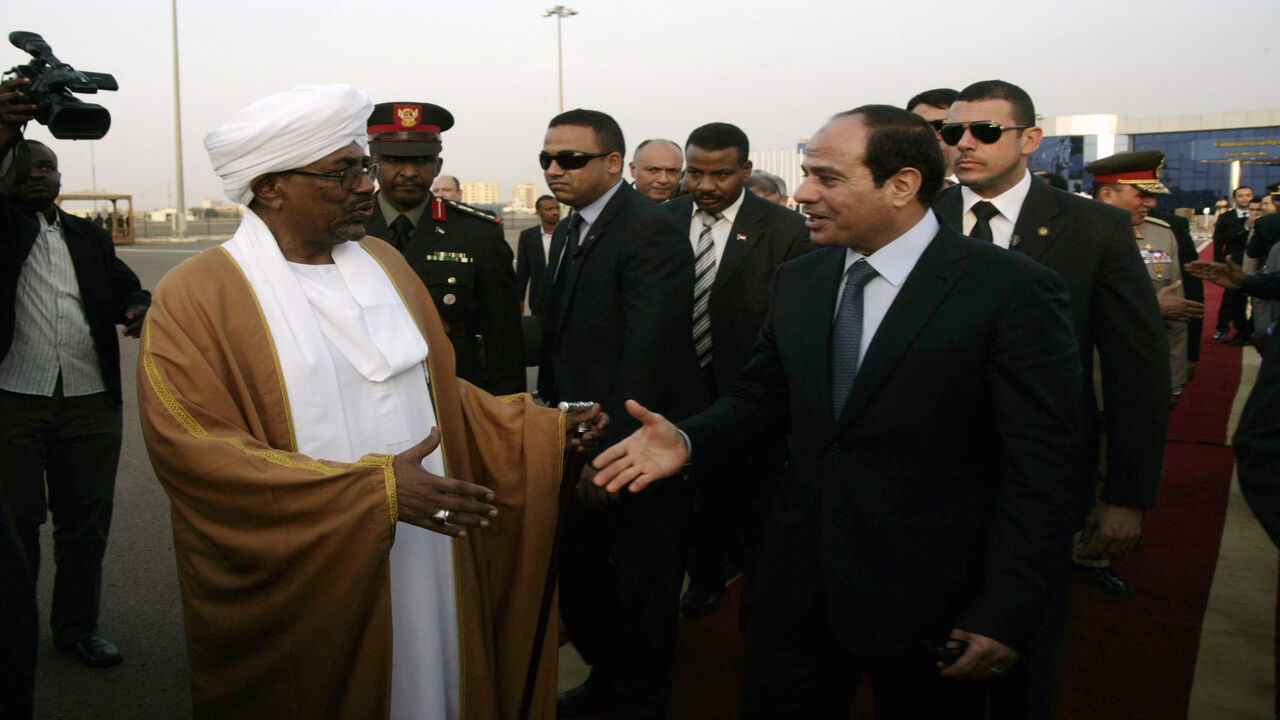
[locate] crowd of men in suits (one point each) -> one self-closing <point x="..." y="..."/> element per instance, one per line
<point x="899" y="415"/>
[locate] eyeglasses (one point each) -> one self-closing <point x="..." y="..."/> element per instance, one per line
<point x="937" y="125"/>
<point x="984" y="131"/>
<point x="350" y="178"/>
<point x="568" y="159"/>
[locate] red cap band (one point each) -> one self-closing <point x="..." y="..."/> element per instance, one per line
<point x="424" y="129"/>
<point x="1140" y="176"/>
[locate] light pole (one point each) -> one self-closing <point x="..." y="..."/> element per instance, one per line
<point x="560" y="12"/>
<point x="180" y="229"/>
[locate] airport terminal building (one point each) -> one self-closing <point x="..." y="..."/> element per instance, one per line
<point x="1205" y="155"/>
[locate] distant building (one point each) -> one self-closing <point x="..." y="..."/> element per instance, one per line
<point x="1206" y="156"/>
<point x="524" y="196"/>
<point x="480" y="193"/>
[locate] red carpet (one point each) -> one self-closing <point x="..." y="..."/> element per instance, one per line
<point x="1130" y="658"/>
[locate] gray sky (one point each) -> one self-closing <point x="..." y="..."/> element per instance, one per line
<point x="660" y="67"/>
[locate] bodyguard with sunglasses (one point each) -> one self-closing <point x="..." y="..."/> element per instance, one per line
<point x="458" y="252"/>
<point x="618" y="324"/>
<point x="1090" y="245"/>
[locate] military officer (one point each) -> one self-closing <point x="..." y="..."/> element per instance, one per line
<point x="459" y="252"/>
<point x="1131" y="181"/>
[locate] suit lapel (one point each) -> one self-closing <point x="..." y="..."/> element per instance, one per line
<point x="377" y="225"/>
<point x="817" y="301"/>
<point x="949" y="208"/>
<point x="748" y="228"/>
<point x="1038" y="221"/>
<point x="927" y="284"/>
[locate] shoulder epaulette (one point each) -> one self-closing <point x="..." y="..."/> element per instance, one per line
<point x="1158" y="221"/>
<point x="473" y="211"/>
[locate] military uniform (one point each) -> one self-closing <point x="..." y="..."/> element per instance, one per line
<point x="1159" y="249"/>
<point x="462" y="256"/>
<point x="459" y="252"/>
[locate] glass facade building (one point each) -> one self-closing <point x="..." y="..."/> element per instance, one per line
<point x="1197" y="167"/>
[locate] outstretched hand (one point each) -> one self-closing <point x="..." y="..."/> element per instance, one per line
<point x="420" y="494"/>
<point x="1228" y="274"/>
<point x="1178" y="309"/>
<point x="655" y="451"/>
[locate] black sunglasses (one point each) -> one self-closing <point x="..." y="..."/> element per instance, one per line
<point x="984" y="131"/>
<point x="568" y="159"/>
<point x="937" y="124"/>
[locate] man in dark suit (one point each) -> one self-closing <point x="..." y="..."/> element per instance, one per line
<point x="62" y="292"/>
<point x="935" y="452"/>
<point x="618" y="325"/>
<point x="738" y="240"/>
<point x="1230" y="237"/>
<point x="1114" y="309"/>
<point x="531" y="253"/>
<point x="459" y="252"/>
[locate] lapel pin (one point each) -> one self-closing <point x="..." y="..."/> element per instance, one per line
<point x="741" y="237"/>
<point x="1042" y="231"/>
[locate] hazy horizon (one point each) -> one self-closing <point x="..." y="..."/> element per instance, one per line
<point x="660" y="68"/>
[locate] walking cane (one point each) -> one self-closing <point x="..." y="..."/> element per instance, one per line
<point x="568" y="483"/>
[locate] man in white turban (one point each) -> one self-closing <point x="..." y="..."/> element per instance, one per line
<point x="330" y="566"/>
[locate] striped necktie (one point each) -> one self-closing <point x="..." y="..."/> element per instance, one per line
<point x="704" y="269"/>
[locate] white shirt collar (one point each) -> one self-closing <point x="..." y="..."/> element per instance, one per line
<point x="1009" y="202"/>
<point x="895" y="261"/>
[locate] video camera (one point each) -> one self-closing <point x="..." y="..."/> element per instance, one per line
<point x="52" y="82"/>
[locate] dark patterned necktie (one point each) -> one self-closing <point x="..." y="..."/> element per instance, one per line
<point x="846" y="335"/>
<point x="401" y="231"/>
<point x="983" y="211"/>
<point x="566" y="258"/>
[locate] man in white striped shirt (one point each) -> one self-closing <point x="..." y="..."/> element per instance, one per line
<point x="62" y="291"/>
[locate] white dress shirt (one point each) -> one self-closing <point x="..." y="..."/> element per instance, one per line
<point x="1009" y="203"/>
<point x="589" y="214"/>
<point x="893" y="263"/>
<point x="719" y="230"/>
<point x="51" y="333"/>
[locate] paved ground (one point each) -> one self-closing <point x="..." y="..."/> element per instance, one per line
<point x="141" y="607"/>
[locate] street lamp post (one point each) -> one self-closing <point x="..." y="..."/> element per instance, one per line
<point x="560" y="12"/>
<point x="180" y="228"/>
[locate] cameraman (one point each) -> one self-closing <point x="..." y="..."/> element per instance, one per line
<point x="62" y="291"/>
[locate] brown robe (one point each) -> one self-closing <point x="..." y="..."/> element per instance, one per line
<point x="283" y="559"/>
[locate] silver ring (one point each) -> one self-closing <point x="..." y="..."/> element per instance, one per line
<point x="442" y="515"/>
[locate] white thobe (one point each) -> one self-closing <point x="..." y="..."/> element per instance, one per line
<point x="386" y="418"/>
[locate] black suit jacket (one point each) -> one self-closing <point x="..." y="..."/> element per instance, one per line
<point x="107" y="286"/>
<point x="477" y="299"/>
<point x="1091" y="246"/>
<point x="624" y="326"/>
<point x="1266" y="233"/>
<point x="943" y="496"/>
<point x="1257" y="438"/>
<point x="531" y="267"/>
<point x="764" y="235"/>
<point x="1229" y="236"/>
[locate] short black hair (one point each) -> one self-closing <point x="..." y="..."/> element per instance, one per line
<point x="654" y="140"/>
<point x="538" y="202"/>
<point x="901" y="139"/>
<point x="1233" y="192"/>
<point x="764" y="183"/>
<point x="937" y="97"/>
<point x="608" y="134"/>
<point x="720" y="136"/>
<point x="1024" y="112"/>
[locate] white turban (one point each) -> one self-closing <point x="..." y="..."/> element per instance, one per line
<point x="285" y="131"/>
